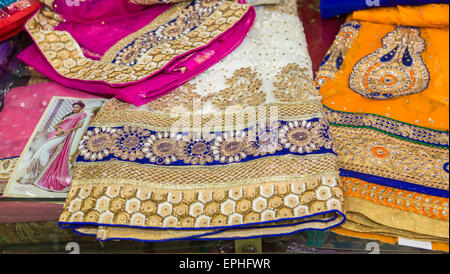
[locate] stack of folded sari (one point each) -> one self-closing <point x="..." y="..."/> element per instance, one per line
<point x="13" y="13"/>
<point x="385" y="87"/>
<point x="241" y="150"/>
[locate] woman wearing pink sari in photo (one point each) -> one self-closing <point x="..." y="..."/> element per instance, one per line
<point x="49" y="166"/>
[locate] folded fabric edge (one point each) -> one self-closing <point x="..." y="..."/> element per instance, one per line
<point x="338" y="218"/>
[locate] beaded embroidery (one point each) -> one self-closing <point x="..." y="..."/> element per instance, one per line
<point x="396" y="69"/>
<point x="169" y="148"/>
<point x="334" y="58"/>
<point x="189" y="19"/>
<point x="399" y="129"/>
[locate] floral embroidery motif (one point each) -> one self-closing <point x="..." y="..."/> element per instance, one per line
<point x="267" y="139"/>
<point x="129" y="143"/>
<point x="197" y="151"/>
<point x="244" y="88"/>
<point x="334" y="58"/>
<point x="161" y="148"/>
<point x="231" y="147"/>
<point x="96" y="143"/>
<point x="396" y="69"/>
<point x="293" y="84"/>
<point x="304" y="136"/>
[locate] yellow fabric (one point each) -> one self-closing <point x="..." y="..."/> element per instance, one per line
<point x="404" y="52"/>
<point x="428" y="108"/>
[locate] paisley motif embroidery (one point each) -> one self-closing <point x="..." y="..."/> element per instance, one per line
<point x="293" y="84"/>
<point x="334" y="58"/>
<point x="180" y="100"/>
<point x="396" y="69"/>
<point x="244" y="88"/>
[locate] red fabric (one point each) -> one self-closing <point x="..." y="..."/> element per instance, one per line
<point x="11" y="25"/>
<point x="17" y="212"/>
<point x="319" y="33"/>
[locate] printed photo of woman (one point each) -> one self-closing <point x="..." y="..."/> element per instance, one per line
<point x="44" y="169"/>
<point x="49" y="167"/>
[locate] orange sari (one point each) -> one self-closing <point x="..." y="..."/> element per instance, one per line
<point x="385" y="86"/>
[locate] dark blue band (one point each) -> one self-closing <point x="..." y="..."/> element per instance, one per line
<point x="395" y="183"/>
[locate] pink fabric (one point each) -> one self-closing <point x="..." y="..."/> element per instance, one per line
<point x="111" y="20"/>
<point x="68" y="123"/>
<point x="161" y="82"/>
<point x="57" y="176"/>
<point x="22" y="111"/>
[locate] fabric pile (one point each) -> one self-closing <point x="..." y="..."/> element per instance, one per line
<point x="240" y="151"/>
<point x="385" y="87"/>
<point x="212" y="123"/>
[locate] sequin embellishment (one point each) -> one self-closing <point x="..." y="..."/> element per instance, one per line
<point x="334" y="58"/>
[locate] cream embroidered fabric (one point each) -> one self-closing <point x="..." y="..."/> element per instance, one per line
<point x="242" y="150"/>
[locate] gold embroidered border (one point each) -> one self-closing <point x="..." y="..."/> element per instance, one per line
<point x="418" y="203"/>
<point x="276" y="168"/>
<point x="229" y="120"/>
<point x="162" y="19"/>
<point x="366" y="216"/>
<point x="372" y="152"/>
<point x="203" y="208"/>
<point x="7" y="167"/>
<point x="66" y="57"/>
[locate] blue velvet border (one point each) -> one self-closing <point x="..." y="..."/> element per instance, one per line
<point x="395" y="183"/>
<point x="333" y="8"/>
<point x="76" y="225"/>
<point x="13" y="157"/>
<point x="284" y="151"/>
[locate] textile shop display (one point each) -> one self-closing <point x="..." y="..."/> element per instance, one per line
<point x="332" y="8"/>
<point x="13" y="15"/>
<point x="242" y="150"/>
<point x="135" y="52"/>
<point x="385" y="87"/>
